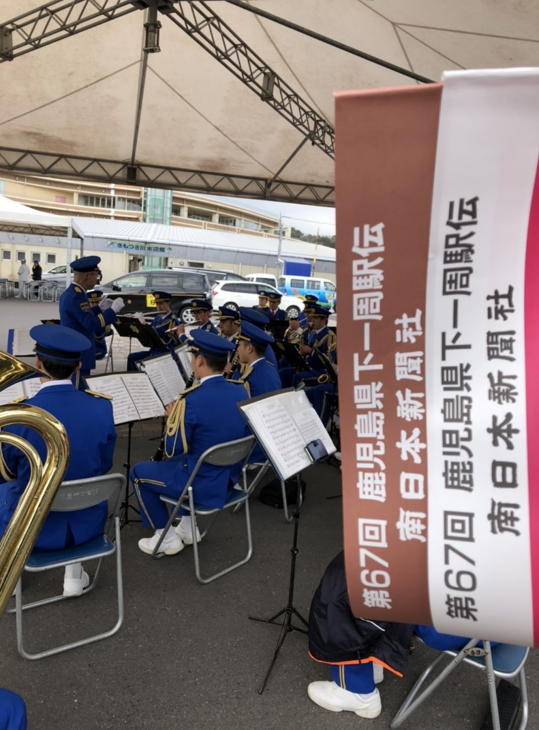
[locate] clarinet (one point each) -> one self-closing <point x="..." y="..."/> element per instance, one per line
<point x="234" y="360"/>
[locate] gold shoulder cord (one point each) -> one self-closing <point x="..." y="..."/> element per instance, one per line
<point x="175" y="422"/>
<point x="98" y="395"/>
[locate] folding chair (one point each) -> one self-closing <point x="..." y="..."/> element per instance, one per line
<point x="227" y="454"/>
<point x="505" y="661"/>
<point x="71" y="496"/>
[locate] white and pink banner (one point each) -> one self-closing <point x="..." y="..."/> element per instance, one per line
<point x="438" y="263"/>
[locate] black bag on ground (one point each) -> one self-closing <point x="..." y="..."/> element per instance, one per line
<point x="272" y="493"/>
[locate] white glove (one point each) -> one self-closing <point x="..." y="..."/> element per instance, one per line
<point x="117" y="305"/>
<point x="140" y="317"/>
<point x="105" y="303"/>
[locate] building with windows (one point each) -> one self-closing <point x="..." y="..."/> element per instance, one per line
<point x="117" y="202"/>
<point x="136" y="228"/>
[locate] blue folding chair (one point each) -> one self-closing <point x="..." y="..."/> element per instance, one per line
<point x="75" y="495"/>
<point x="504" y="661"/>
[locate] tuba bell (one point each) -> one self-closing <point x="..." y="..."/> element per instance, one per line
<point x="27" y="520"/>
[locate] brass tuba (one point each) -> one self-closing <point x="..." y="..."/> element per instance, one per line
<point x="33" y="507"/>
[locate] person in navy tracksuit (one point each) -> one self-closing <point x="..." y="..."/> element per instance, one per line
<point x="88" y="420"/>
<point x="203" y="416"/>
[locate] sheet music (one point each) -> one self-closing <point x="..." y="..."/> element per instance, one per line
<point x="26" y="388"/>
<point x="23" y="344"/>
<point x="284" y="424"/>
<point x="145" y="399"/>
<point x="165" y="377"/>
<point x="123" y="407"/>
<point x="185" y="359"/>
<point x="9" y="394"/>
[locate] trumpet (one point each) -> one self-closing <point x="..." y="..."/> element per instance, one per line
<point x="323" y="379"/>
<point x="27" y="520"/>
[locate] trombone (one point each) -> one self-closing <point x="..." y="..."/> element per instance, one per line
<point x="27" y="520"/>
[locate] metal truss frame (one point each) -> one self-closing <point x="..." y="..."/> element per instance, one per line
<point x="207" y="29"/>
<point x="169" y="178"/>
<point x="60" y="19"/>
<point x="57" y="20"/>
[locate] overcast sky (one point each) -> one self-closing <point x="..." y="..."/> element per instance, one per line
<point x="308" y="218"/>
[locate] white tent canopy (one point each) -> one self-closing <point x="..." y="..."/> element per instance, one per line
<point x="15" y="216"/>
<point x="222" y="109"/>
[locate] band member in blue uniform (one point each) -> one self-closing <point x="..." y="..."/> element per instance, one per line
<point x="229" y="323"/>
<point x="322" y="340"/>
<point x="263" y="304"/>
<point x="88" y="420"/>
<point x="162" y="324"/>
<point x="203" y="416"/>
<point x="12" y="711"/>
<point x="75" y="310"/>
<point x="94" y="298"/>
<point x="309" y="300"/>
<point x="202" y="313"/>
<point x="259" y="320"/>
<point x="259" y="376"/>
<point x="276" y="314"/>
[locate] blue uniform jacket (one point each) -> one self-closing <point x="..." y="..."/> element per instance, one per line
<point x="322" y="341"/>
<point x="278" y="316"/>
<point x="75" y="312"/>
<point x="161" y="323"/>
<point x="260" y="378"/>
<point x="90" y="428"/>
<point x="204" y="416"/>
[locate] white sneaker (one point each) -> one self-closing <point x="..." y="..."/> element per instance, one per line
<point x="335" y="699"/>
<point x="378" y="671"/>
<point x="75" y="581"/>
<point x="186" y="534"/>
<point x="169" y="546"/>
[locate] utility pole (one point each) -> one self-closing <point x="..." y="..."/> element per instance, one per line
<point x="279" y="247"/>
<point x="315" y="251"/>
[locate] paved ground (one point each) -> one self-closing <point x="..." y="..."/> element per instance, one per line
<point x="187" y="655"/>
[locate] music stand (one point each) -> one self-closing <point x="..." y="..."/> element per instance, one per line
<point x="289" y="611"/>
<point x="144" y="333"/>
<point x="277" y="328"/>
<point x="290" y="353"/>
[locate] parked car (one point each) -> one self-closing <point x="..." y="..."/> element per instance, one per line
<point x="213" y="274"/>
<point x="263" y="279"/>
<point x="300" y="286"/>
<point x="135" y="289"/>
<point x="236" y="294"/>
<point x="56" y="273"/>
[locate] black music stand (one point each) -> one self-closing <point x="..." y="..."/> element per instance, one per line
<point x="144" y="333"/>
<point x="290" y="353"/>
<point x="277" y="328"/>
<point x="289" y="611"/>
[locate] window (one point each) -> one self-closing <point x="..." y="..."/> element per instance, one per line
<point x="194" y="283"/>
<point x="6" y="255"/>
<point x="195" y="264"/>
<point x="21" y="255"/>
<point x="297" y="283"/>
<point x="313" y="284"/>
<point x="36" y="257"/>
<point x="226" y="220"/>
<point x="96" y="201"/>
<point x="2" y="187"/>
<point x="133" y="281"/>
<point x="167" y="282"/>
<point x="198" y="215"/>
<point x="250" y="226"/>
<point x="330" y="286"/>
<point x="51" y="258"/>
<point x="268" y="288"/>
<point x="281" y="281"/>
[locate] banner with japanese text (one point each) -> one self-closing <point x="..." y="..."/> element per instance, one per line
<point x="438" y="351"/>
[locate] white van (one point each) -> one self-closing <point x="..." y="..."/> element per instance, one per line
<point x="263" y="279"/>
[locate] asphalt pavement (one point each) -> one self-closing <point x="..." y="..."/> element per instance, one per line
<point x="187" y="654"/>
